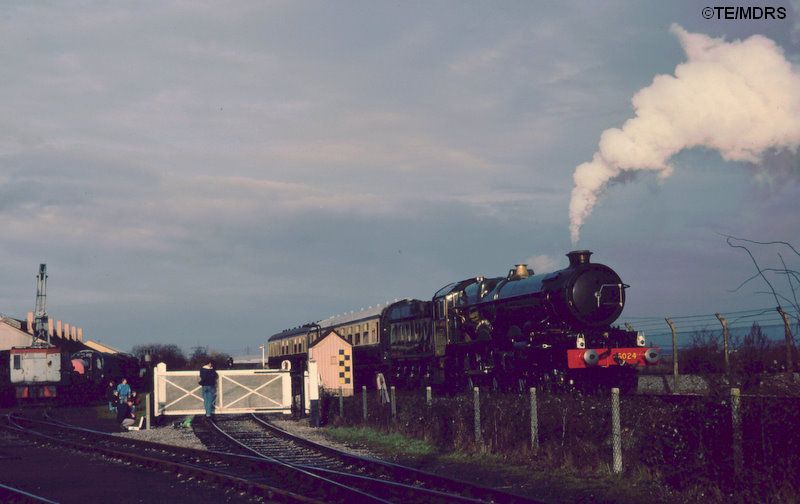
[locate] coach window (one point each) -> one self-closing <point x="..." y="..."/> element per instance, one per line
<point x="17" y="362"/>
<point x="358" y="339"/>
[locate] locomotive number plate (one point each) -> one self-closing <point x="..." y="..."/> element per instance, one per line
<point x="628" y="355"/>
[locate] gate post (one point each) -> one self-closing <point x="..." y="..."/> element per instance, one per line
<point x="313" y="394"/>
<point x="736" y="422"/>
<point x="160" y="387"/>
<point x="394" y="403"/>
<point x="364" y="401"/>
<point x="147" y="410"/>
<point x="476" y="397"/>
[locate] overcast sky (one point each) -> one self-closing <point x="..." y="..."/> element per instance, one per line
<point x="210" y="174"/>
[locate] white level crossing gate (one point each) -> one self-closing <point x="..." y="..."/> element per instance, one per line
<point x="238" y="391"/>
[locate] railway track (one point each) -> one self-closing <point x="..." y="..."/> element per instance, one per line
<point x="11" y="495"/>
<point x="257" y="476"/>
<point x="380" y="479"/>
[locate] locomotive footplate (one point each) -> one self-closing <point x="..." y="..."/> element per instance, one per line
<point x="580" y="358"/>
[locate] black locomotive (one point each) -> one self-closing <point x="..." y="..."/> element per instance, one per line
<point x="505" y="332"/>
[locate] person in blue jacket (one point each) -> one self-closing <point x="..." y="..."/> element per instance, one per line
<point x="124" y="390"/>
<point x="208" y="380"/>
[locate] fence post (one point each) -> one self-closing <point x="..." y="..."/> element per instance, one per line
<point x="147" y="411"/>
<point x="736" y="422"/>
<point x="341" y="402"/>
<point x="674" y="352"/>
<point x="725" y="340"/>
<point x="393" y="398"/>
<point x="364" y="400"/>
<point x="787" y="331"/>
<point x="476" y="397"/>
<point x="428" y="395"/>
<point x="534" y="421"/>
<point x="616" y="431"/>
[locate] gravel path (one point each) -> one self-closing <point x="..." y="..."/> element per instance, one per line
<point x="169" y="435"/>
<point x="186" y="438"/>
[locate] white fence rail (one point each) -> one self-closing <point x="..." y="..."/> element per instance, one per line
<point x="238" y="391"/>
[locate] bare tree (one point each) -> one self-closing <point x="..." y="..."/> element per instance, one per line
<point x="791" y="276"/>
<point x="169" y="354"/>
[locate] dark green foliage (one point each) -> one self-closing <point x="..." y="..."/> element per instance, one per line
<point x="705" y="355"/>
<point x="175" y="359"/>
<point x="202" y="355"/>
<point x="169" y="354"/>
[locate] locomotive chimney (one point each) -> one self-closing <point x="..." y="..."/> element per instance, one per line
<point x="578" y="257"/>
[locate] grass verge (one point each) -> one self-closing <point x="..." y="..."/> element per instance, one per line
<point x="534" y="480"/>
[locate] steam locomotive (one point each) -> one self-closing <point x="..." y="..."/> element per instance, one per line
<point x="516" y="331"/>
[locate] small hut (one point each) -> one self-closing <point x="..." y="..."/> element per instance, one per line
<point x="334" y="358"/>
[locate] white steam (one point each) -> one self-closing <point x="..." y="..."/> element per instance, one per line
<point x="740" y="98"/>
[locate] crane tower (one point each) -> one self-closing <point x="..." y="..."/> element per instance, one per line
<point x="41" y="336"/>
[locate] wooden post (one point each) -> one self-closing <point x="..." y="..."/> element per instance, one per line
<point x="341" y="402"/>
<point x="364" y="400"/>
<point x="674" y="351"/>
<point x="393" y="399"/>
<point x="616" y="431"/>
<point x="787" y="331"/>
<point x="725" y="339"/>
<point x="534" y="421"/>
<point x="428" y="396"/>
<point x="147" y="411"/>
<point x="476" y="397"/>
<point x="736" y="421"/>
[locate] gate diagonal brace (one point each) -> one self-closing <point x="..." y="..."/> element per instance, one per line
<point x="250" y="391"/>
<point x="188" y="393"/>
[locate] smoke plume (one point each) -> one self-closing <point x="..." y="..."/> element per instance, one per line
<point x="740" y="98"/>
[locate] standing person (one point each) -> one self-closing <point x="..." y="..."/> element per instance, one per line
<point x="110" y="396"/>
<point x="125" y="414"/>
<point x="208" y="380"/>
<point x="124" y="390"/>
